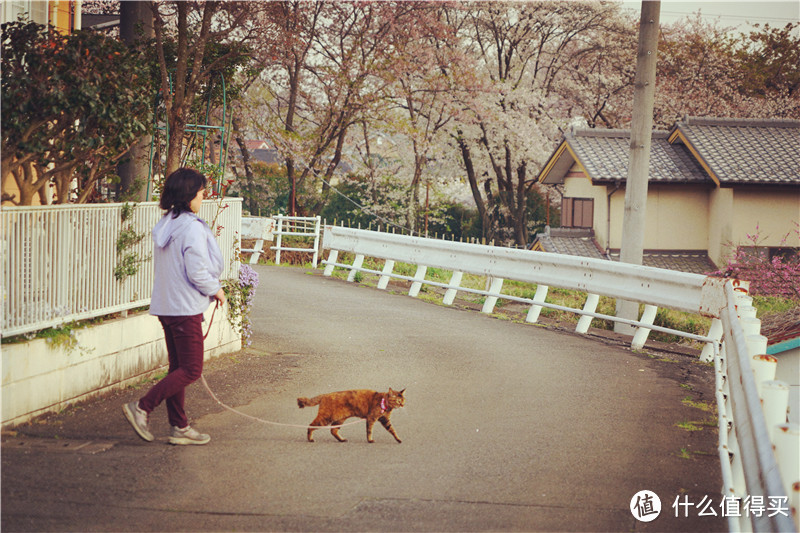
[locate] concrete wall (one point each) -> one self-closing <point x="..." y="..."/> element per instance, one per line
<point x="39" y="377"/>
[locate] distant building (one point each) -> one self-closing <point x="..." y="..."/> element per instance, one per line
<point x="711" y="182"/>
<point x="65" y="15"/>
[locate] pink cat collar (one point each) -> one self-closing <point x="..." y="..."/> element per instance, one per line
<point x="383" y="404"/>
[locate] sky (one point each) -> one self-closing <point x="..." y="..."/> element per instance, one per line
<point x="739" y="14"/>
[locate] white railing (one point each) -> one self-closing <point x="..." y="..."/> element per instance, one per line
<point x="59" y="261"/>
<point x="302" y="227"/>
<point x="259" y="228"/>
<point x="749" y="467"/>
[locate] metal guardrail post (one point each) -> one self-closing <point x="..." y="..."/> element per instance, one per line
<point x="278" y="240"/>
<point x="357" y="262"/>
<point x="641" y="334"/>
<point x="715" y="333"/>
<point x="388" y="267"/>
<point x="495" y="287"/>
<point x="419" y="278"/>
<point x="591" y="306"/>
<point x="455" y="282"/>
<point x="539" y="297"/>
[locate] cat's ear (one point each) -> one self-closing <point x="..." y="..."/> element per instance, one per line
<point x="401" y="392"/>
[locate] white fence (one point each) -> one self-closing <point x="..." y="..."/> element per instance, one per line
<point x="59" y="261"/>
<point x="303" y="227"/>
<point x="749" y="467"/>
<point x="261" y="229"/>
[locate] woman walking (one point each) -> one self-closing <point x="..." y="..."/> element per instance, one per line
<point x="188" y="263"/>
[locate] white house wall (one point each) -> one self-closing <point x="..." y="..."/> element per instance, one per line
<point x="720" y="227"/>
<point x="733" y="214"/>
<point x="775" y="211"/>
<point x="677" y="218"/>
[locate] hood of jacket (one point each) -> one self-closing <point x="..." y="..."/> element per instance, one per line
<point x="168" y="227"/>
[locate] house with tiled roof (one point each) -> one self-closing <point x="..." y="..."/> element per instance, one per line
<point x="256" y="144"/>
<point x="712" y="181"/>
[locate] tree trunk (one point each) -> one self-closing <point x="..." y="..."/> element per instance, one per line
<point x="175" y="145"/>
<point x="135" y="16"/>
<point x="473" y="184"/>
<point x="521" y="215"/>
<point x="133" y="171"/>
<point x="26" y="182"/>
<point x="248" y="169"/>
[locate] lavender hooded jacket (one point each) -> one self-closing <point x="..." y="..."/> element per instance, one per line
<point x="188" y="263"/>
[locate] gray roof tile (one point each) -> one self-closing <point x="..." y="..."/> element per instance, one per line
<point x="745" y="150"/>
<point x="692" y="261"/>
<point x="581" y="243"/>
<point x="604" y="154"/>
<point x="569" y="241"/>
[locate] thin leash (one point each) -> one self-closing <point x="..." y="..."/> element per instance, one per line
<point x="251" y="417"/>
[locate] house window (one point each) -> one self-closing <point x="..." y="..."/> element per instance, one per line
<point x="577" y="212"/>
<point x="36" y="11"/>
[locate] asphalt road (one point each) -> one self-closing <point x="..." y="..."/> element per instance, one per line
<point x="507" y="426"/>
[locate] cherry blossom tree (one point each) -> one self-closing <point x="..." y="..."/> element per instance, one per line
<point x="323" y="82"/>
<point x="523" y="49"/>
<point x="425" y="83"/>
<point x="482" y="90"/>
<point x="706" y="69"/>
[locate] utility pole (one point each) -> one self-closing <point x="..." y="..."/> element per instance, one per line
<point x="633" y="222"/>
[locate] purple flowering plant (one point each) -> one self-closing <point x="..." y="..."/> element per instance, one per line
<point x="241" y="293"/>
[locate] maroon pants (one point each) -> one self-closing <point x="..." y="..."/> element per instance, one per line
<point x="184" y="336"/>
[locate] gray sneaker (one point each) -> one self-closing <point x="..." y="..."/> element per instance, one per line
<point x="138" y="419"/>
<point x="188" y="435"/>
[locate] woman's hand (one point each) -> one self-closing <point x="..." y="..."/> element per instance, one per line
<point x="220" y="297"/>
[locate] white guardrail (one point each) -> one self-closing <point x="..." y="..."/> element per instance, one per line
<point x="754" y="437"/>
<point x="301" y="227"/>
<point x="268" y="228"/>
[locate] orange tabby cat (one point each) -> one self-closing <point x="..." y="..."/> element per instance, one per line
<point x="336" y="407"/>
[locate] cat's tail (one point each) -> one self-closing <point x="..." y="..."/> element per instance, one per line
<point x="308" y="402"/>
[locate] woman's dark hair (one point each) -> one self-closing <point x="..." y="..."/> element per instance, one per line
<point x="180" y="188"/>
